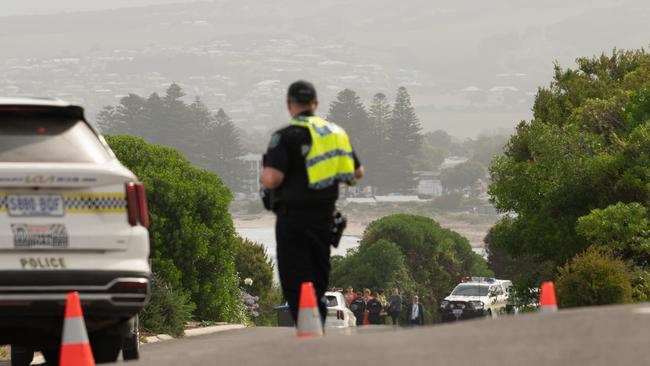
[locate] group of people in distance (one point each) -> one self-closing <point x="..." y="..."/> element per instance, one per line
<point x="374" y="307"/>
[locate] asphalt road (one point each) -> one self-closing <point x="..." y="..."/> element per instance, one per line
<point x="597" y="336"/>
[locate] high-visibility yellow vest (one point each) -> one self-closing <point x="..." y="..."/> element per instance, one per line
<point x="330" y="157"/>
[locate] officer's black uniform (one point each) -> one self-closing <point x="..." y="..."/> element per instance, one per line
<point x="303" y="229"/>
<point x="358" y="307"/>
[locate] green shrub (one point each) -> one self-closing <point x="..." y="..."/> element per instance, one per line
<point x="268" y="316"/>
<point x="167" y="312"/>
<point x="192" y="234"/>
<point x="253" y="263"/>
<point x="624" y="227"/>
<point x="640" y="285"/>
<point x="595" y="277"/>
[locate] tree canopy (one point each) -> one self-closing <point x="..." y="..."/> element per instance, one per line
<point x="209" y="140"/>
<point x="577" y="173"/>
<point x="412" y="253"/>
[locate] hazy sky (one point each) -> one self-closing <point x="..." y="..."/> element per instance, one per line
<point x="24" y="7"/>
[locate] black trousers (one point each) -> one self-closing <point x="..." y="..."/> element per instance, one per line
<point x="395" y="316"/>
<point x="303" y="253"/>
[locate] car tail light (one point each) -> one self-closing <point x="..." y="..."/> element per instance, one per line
<point x="137" y="207"/>
<point x="340" y="315"/>
<point x="132" y="203"/>
<point x="143" y="206"/>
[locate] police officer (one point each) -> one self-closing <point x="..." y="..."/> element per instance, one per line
<point x="303" y="166"/>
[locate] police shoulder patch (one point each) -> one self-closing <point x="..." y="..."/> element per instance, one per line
<point x="275" y="140"/>
<point x="305" y="149"/>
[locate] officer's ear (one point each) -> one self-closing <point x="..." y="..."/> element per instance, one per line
<point x="314" y="105"/>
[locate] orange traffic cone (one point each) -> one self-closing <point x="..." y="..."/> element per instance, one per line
<point x="75" y="348"/>
<point x="548" y="303"/>
<point x="309" y="323"/>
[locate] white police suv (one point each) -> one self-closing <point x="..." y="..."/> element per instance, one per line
<point x="475" y="297"/>
<point x="72" y="218"/>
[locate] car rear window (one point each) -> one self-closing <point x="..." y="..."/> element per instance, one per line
<point x="49" y="140"/>
<point x="331" y="301"/>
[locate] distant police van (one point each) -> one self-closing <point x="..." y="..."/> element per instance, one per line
<point x="475" y="297"/>
<point x="72" y="218"/>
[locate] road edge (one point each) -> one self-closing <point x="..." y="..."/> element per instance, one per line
<point x="194" y="333"/>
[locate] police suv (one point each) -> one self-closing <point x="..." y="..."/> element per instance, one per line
<point x="475" y="297"/>
<point x="72" y="218"/>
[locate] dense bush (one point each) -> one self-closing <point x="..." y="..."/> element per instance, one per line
<point x="622" y="227"/>
<point x="167" y="311"/>
<point x="380" y="265"/>
<point x="595" y="277"/>
<point x="413" y="253"/>
<point x="192" y="236"/>
<point x="576" y="174"/>
<point x="253" y="263"/>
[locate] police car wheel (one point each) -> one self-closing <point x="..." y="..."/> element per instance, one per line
<point x="131" y="345"/>
<point x="21" y="356"/>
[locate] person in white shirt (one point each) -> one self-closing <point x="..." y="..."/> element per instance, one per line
<point x="416" y="312"/>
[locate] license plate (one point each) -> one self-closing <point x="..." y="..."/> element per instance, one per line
<point x="35" y="205"/>
<point x="28" y="236"/>
<point x="458" y="312"/>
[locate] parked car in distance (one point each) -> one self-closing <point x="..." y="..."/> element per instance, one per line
<point x="338" y="314"/>
<point x="475" y="297"/>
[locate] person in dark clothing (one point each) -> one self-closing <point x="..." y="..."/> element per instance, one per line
<point x="374" y="311"/>
<point x="358" y="307"/>
<point x="395" y="306"/>
<point x="416" y="312"/>
<point x="302" y="168"/>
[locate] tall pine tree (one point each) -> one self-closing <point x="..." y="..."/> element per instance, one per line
<point x="227" y="149"/>
<point x="376" y="162"/>
<point x="403" y="141"/>
<point x="349" y="112"/>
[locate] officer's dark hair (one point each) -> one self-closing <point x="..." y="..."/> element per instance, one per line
<point x="302" y="92"/>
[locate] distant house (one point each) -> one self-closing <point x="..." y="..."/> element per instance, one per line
<point x="452" y="161"/>
<point x="429" y="184"/>
<point x="252" y="166"/>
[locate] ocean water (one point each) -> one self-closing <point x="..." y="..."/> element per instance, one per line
<point x="266" y="237"/>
